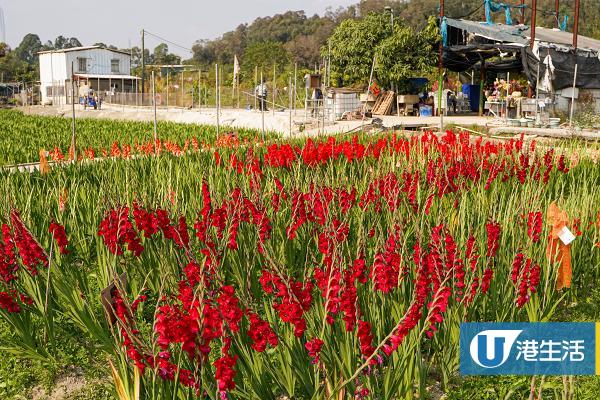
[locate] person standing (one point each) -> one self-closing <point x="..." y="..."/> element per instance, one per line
<point x="261" y="93"/>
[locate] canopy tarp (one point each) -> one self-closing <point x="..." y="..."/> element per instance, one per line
<point x="511" y="44"/>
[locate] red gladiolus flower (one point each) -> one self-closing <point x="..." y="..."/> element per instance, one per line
<point x="8" y="266"/>
<point x="313" y="347"/>
<point x="117" y="230"/>
<point x="365" y="338"/>
<point x="31" y="253"/>
<point x="225" y="373"/>
<point x="229" y="308"/>
<point x="386" y="267"/>
<point x="58" y="233"/>
<point x="493" y="238"/>
<point x="534" y="226"/>
<point x="261" y="333"/>
<point x="8" y="303"/>
<point x="486" y="281"/>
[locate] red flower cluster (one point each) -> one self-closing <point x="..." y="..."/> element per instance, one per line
<point x="526" y="278"/>
<point x="31" y="253"/>
<point x="117" y="230"/>
<point x="293" y="299"/>
<point x="314" y="347"/>
<point x="386" y="267"/>
<point x="365" y="338"/>
<point x="534" y="226"/>
<point x="59" y="234"/>
<point x="261" y="333"/>
<point x="493" y="238"/>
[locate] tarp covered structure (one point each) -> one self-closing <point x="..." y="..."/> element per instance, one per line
<point x="468" y="44"/>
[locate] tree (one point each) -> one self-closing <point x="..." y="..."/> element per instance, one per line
<point x="264" y="55"/>
<point x="28" y="49"/>
<point x="162" y="56"/>
<point x="62" y="42"/>
<point x="4" y="49"/>
<point x="353" y="45"/>
<point x="400" y="54"/>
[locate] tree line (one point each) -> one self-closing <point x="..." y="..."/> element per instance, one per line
<point x="354" y="34"/>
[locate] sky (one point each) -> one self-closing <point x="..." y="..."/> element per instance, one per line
<point x="119" y="22"/>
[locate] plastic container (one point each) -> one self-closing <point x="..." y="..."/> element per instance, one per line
<point x="425" y="111"/>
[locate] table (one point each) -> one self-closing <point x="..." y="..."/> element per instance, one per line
<point x="495" y="107"/>
<point x="405" y="103"/>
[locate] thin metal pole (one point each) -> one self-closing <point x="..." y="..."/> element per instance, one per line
<point x="507" y="94"/>
<point x="73" y="133"/>
<point x="295" y="86"/>
<point x="199" y="89"/>
<point x="217" y="95"/>
<point x="143" y="66"/>
<point x="274" y="83"/>
<point x="167" y="88"/>
<point x="182" y="90"/>
<point x="255" y="84"/>
<point x="262" y="109"/>
<point x="537" y="95"/>
<point x="290" y="96"/>
<point x="368" y="92"/>
<point x="154" y="105"/>
<point x="556" y="6"/>
<point x="573" y="96"/>
<point x="329" y="62"/>
<point x="441" y="99"/>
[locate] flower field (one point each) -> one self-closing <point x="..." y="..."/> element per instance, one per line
<point x="331" y="268"/>
<point x="23" y="136"/>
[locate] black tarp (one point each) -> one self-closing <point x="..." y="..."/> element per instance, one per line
<point x="464" y="58"/>
<point x="588" y="68"/>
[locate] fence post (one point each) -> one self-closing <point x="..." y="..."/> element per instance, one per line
<point x="155" y="123"/>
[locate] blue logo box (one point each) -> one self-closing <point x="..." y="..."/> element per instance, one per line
<point x="544" y="348"/>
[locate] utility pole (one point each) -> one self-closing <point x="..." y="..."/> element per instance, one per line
<point x="143" y="66"/>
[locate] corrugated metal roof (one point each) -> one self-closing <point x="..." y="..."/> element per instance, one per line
<point x="83" y="48"/>
<point x="101" y="76"/>
<point x="522" y="34"/>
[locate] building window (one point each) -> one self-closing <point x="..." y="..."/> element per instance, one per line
<point x="82" y="64"/>
<point x="114" y="66"/>
<point x="57" y="90"/>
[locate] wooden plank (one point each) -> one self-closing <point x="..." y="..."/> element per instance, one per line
<point x="386" y="105"/>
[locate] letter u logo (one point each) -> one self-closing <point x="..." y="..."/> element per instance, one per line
<point x="482" y="351"/>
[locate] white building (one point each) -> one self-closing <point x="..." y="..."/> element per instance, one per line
<point x="103" y="70"/>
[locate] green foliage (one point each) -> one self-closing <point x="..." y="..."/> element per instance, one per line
<point x="264" y="55"/>
<point x="400" y="54"/>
